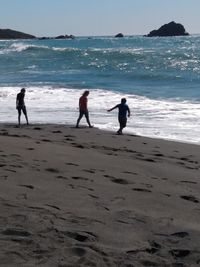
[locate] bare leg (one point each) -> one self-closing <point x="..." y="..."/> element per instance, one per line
<point x="122" y="125"/>
<point x="26" y="119"/>
<point x="79" y="118"/>
<point x="25" y="114"/>
<point x="19" y="117"/>
<point x="87" y="119"/>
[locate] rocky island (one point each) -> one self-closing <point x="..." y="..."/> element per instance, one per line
<point x="7" y="34"/>
<point x="11" y="34"/>
<point x="170" y="29"/>
<point x="119" y="35"/>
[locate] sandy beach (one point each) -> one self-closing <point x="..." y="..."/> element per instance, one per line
<point x="85" y="197"/>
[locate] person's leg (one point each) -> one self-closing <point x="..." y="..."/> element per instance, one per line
<point x="122" y="125"/>
<point x="87" y="119"/>
<point x="19" y="116"/>
<point x="79" y="118"/>
<point x="25" y="114"/>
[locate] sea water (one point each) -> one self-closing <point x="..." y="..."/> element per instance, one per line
<point x="160" y="77"/>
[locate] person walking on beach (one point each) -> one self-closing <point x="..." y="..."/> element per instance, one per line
<point x="83" y="109"/>
<point x="20" y="106"/>
<point x="122" y="114"/>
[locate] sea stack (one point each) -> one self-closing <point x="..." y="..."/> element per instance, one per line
<point x="119" y="35"/>
<point x="170" y="29"/>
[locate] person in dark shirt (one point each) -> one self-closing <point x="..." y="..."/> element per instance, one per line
<point x="122" y="114"/>
<point x="20" y="106"/>
<point x="83" y="109"/>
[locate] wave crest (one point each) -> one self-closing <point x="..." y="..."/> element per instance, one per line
<point x="19" y="47"/>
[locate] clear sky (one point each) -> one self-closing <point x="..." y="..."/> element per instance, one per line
<point x="97" y="17"/>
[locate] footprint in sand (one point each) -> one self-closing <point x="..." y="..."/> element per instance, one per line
<point x="46" y="140"/>
<point x="116" y="180"/>
<point x="119" y="181"/>
<point x="9" y="170"/>
<point x="52" y="170"/>
<point x="79" y="178"/>
<point x="90" y="171"/>
<point x="188" y="182"/>
<point x="180" y="234"/>
<point x="154" y="247"/>
<point x="190" y="198"/>
<point x="179" y="253"/>
<point x="15" y="232"/>
<point x="2" y="165"/>
<point x="27" y="186"/>
<point x="142" y="190"/>
<point x="57" y="131"/>
<point x="82" y="236"/>
<point x="93" y="196"/>
<point x="78" y="145"/>
<point x="71" y="164"/>
<point x="53" y="206"/>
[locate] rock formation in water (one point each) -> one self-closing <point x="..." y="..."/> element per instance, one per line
<point x="170" y="29"/>
<point x="119" y="35"/>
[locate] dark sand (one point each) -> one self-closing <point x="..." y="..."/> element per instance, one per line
<point x="84" y="197"/>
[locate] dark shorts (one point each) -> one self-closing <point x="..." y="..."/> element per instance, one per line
<point x="22" y="108"/>
<point x="122" y="121"/>
<point x="83" y="112"/>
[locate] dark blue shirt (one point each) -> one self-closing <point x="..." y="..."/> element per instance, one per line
<point x="123" y="110"/>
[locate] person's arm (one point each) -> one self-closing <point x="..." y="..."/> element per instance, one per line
<point x="112" y="108"/>
<point x="17" y="102"/>
<point x="129" y="113"/>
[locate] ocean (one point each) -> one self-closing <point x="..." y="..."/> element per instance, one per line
<point x="160" y="77"/>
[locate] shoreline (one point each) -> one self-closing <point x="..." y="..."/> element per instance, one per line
<point x="87" y="197"/>
<point x="126" y="132"/>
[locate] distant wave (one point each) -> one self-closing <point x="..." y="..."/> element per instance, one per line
<point x="19" y="47"/>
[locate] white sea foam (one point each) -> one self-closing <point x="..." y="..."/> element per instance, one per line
<point x="65" y="49"/>
<point x="19" y="47"/>
<point x="172" y="119"/>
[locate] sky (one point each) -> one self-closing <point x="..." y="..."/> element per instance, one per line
<point x="97" y="17"/>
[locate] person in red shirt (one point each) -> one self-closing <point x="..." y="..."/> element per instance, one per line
<point x="83" y="110"/>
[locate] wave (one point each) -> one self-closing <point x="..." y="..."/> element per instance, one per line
<point x="146" y="54"/>
<point x="169" y="119"/>
<point x="19" y="47"/>
<point x="22" y="47"/>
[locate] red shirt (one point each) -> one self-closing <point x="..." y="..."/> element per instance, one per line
<point x="83" y="103"/>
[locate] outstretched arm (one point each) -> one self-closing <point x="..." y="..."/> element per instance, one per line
<point x="112" y="108"/>
<point x="129" y="113"/>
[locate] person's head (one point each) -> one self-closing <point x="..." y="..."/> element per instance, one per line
<point x="86" y="93"/>
<point x="23" y="90"/>
<point x="123" y="100"/>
